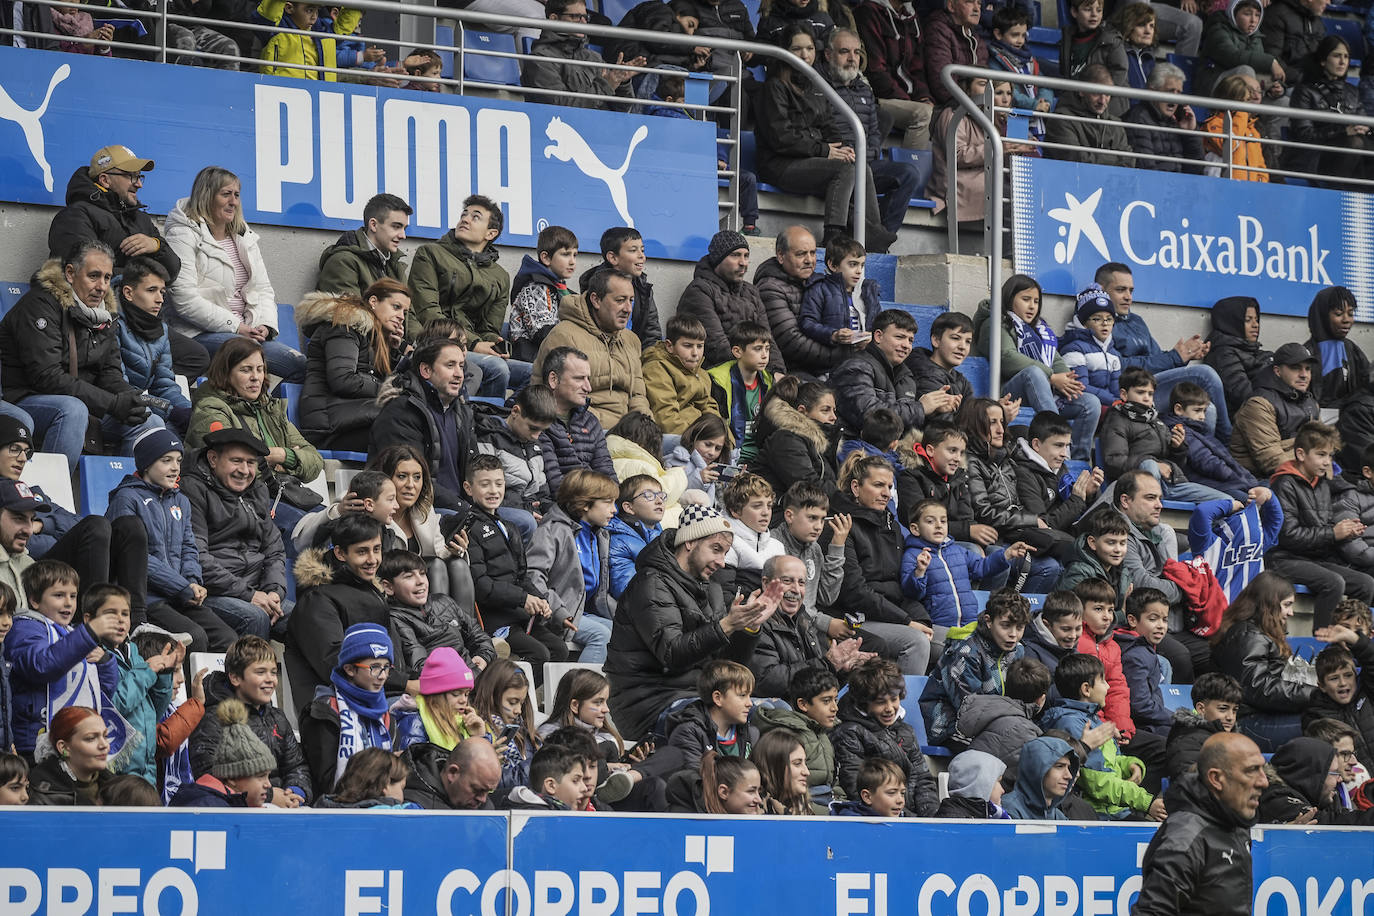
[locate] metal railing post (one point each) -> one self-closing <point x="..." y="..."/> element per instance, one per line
<point x="736" y="102"/>
<point x="162" y="30"/>
<point x="1230" y="148"/>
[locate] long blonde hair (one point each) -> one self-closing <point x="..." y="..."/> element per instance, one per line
<point x="209" y="182"/>
<point x="439" y="707"/>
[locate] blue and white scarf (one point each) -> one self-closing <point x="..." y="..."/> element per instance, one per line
<point x="1035" y="340"/>
<point x="177" y="768"/>
<point x="363" y="719"/>
<point x="78" y="686"/>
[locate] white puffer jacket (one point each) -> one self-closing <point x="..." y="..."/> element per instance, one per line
<point x="200" y="293"/>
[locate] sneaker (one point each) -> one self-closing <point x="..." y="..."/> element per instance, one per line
<point x="618" y="785"/>
<point x="502" y="647"/>
<point x="751" y="231"/>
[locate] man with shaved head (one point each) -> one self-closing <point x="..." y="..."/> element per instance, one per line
<point x="461" y="780"/>
<point x="1199" y="860"/>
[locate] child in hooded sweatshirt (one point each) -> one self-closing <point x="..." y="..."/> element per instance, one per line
<point x="1231" y="38"/>
<point x="1047" y="772"/>
<point x="1342" y="380"/>
<point x="55" y="664"/>
<point x="939" y="572"/>
<point x="352" y="712"/>
<point x="1087" y="345"/>
<point x="975" y="788"/>
<point x="538" y="288"/>
<point x="1111" y="779"/>
<point x="813" y="692"/>
<point x="975" y="661"/>
<point x="1236" y="353"/>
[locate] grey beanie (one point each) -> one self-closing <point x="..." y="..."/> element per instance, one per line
<point x="240" y="752"/>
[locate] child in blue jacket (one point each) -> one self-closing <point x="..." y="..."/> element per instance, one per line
<point x="939" y="572"/>
<point x="144" y="345"/>
<point x="1007" y="51"/>
<point x="153" y="496"/>
<point x="1145" y="670"/>
<point x="1087" y="345"/>
<point x="975" y="661"/>
<point x="840" y="307"/>
<point x="56" y="663"/>
<point x="1205" y="458"/>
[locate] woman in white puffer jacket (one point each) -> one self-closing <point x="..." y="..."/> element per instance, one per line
<point x="223" y="290"/>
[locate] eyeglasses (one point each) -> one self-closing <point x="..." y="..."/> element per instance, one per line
<point x="376" y="670"/>
<point x="653" y="496"/>
<point x="1346" y="755"/>
<point x="1102" y="318"/>
<point x="134" y="177"/>
<point x="573" y="17"/>
<point x="16" y="450"/>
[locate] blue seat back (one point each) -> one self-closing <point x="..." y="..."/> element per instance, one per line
<point x="443" y="36"/>
<point x="925" y="316"/>
<point x="10" y="293"/>
<point x="287" y="332"/>
<point x="100" y="475"/>
<point x="291" y="394"/>
<point x="923" y="159"/>
<point x="481" y="68"/>
<point x="1177" y="696"/>
<point x="978" y="373"/>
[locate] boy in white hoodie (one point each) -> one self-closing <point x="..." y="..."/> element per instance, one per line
<point x="749" y="507"/>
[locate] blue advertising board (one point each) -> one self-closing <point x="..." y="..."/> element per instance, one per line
<point x="311" y="153"/>
<point x="1190" y="239"/>
<point x="181" y="863"/>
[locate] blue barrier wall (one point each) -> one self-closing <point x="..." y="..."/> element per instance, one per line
<point x="57" y="861"/>
<point x="311" y="153"/>
<point x="1191" y="240"/>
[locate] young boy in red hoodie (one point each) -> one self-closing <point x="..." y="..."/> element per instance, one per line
<point x="1310" y="536"/>
<point x="1099" y="619"/>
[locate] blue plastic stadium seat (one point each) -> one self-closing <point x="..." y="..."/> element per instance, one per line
<point x="924" y="160"/>
<point x="976" y="370"/>
<point x="615" y="10"/>
<point x="287" y="332"/>
<point x="443" y="36"/>
<point x="1076" y="467"/>
<point x="10" y="293"/>
<point x="911" y="705"/>
<point x="100" y="475"/>
<point x="1036" y="601"/>
<point x="291" y="394"/>
<point x="1305" y="647"/>
<point x="1352" y="31"/>
<point x="355" y="457"/>
<point x="1177" y="696"/>
<point x="504" y="71"/>
<point x="1188" y="64"/>
<point x="1044" y="46"/>
<point x="925" y="316"/>
<point x="1179" y="505"/>
<point x="982" y="598"/>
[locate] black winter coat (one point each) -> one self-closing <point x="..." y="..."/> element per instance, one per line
<point x="496" y="554"/>
<point x="405" y="419"/>
<point x="1319" y="93"/>
<point x="1297" y="777"/>
<point x="931" y="377"/>
<point x="785" y="646"/>
<point x="858" y="96"/>
<point x="860" y="736"/>
<point x="240" y="548"/>
<point x="797" y="449"/>
<point x="666" y="627"/>
<point x="1238" y="362"/>
<point x="441" y="622"/>
<point x="993" y="490"/>
<point x="268" y="722"/>
<point x="1291" y="33"/>
<point x="917" y="481"/>
<point x="1037" y="491"/>
<point x="1359" y="712"/>
<point x="644" y="315"/>
<point x="1186" y="737"/>
<point x="342" y="380"/>
<point x="1132" y="433"/>
<point x="867" y="380"/>
<point x="1252" y="658"/>
<point x="577" y="441"/>
<point x="720" y="307"/>
<point x="425" y="786"/>
<point x="794" y="121"/>
<point x="331" y="599"/>
<point x="1344" y="374"/>
<point x="1156" y="143"/>
<point x="872" y="565"/>
<point x="782" y="16"/>
<point x="1308" y="514"/>
<point x="34" y="350"/>
<point x="781" y="294"/>
<point x="1198" y="863"/>
<point x="650" y="16"/>
<point x="94" y="213"/>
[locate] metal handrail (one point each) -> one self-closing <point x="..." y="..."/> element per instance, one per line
<point x="995" y="177"/>
<point x="162" y="16"/>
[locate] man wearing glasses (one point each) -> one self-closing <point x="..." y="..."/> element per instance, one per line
<point x="548" y="70"/>
<point x="103" y="204"/>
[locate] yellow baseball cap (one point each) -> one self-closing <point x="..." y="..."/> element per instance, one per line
<point x="117" y="158"/>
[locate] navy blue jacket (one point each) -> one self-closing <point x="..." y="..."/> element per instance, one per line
<point x="148" y="364"/>
<point x="173" y="559"/>
<point x="1132" y="338"/>
<point x="825" y="307"/>
<point x="1208" y="461"/>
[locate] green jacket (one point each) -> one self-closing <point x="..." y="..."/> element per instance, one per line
<point x="820" y="753"/>
<point x="264" y="418"/>
<point x="1013" y="360"/>
<point x="350" y="266"/>
<point x="1224" y="46"/>
<point x="723" y="390"/>
<point x="449" y="281"/>
<point x="1087" y="565"/>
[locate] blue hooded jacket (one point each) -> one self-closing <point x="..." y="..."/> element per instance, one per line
<point x="825" y="307"/>
<point x="627" y="540"/>
<point x="1026" y="802"/>
<point x="173" y="559"/>
<point x="946" y="589"/>
<point x="1209" y="461"/>
<point x="1098" y="365"/>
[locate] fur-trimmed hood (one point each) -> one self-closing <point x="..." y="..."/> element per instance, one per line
<point x="330" y="308"/>
<point x="784" y="416"/>
<point x="313" y="568"/>
<point x="54" y="282"/>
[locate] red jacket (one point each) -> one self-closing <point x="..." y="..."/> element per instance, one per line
<point x="892" y="41"/>
<point x="1117" y="709"/>
<point x="1203" y="594"/>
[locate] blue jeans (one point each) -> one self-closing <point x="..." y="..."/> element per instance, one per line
<point x="247" y="618"/>
<point x="499" y="373"/>
<point x="895" y="183"/>
<point x="520" y="519"/>
<point x="281" y="360"/>
<point x="1206" y="377"/>
<point x="1186" y="491"/>
<point x="1032" y="385"/>
<point x="593" y="636"/>
<point x="60" y="421"/>
<point x="127" y="435"/>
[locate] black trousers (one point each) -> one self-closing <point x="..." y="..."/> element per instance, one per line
<point x="105" y="551"/>
<point x="189" y="357"/>
<point x="542" y="644"/>
<point x="208" y="632"/>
